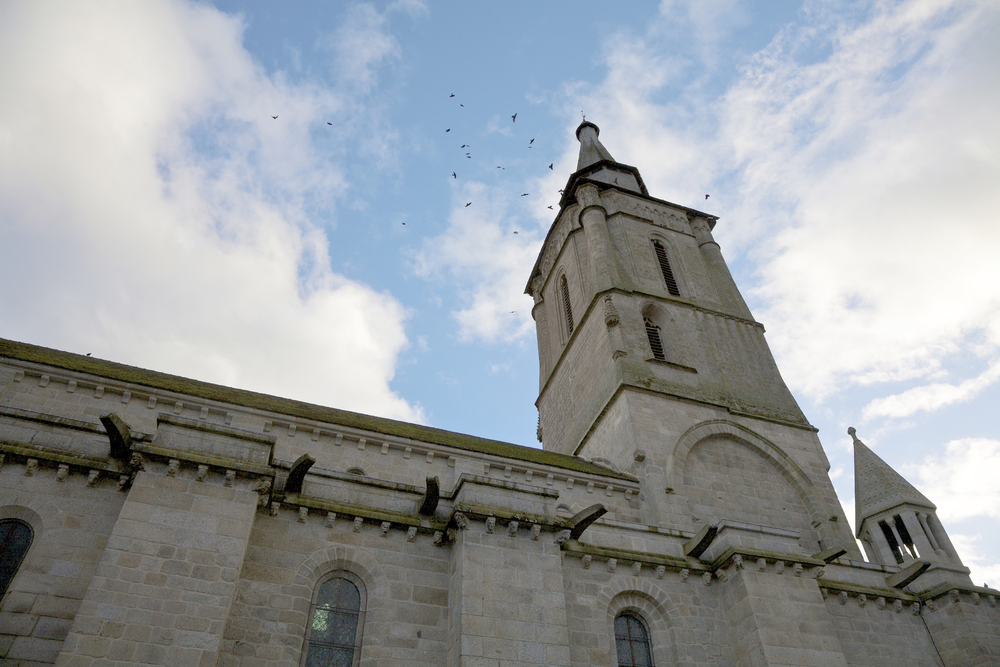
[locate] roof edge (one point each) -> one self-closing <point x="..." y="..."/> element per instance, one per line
<point x="79" y="363"/>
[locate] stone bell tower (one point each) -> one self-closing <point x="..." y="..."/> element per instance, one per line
<point x="650" y="361"/>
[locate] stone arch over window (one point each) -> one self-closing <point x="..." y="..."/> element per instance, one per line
<point x="654" y="320"/>
<point x="668" y="265"/>
<point x="19" y="526"/>
<point x="336" y="621"/>
<point x="759" y="469"/>
<point x="357" y="565"/>
<point x="650" y="607"/>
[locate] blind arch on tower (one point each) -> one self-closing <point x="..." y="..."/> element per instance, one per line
<point x="666" y="268"/>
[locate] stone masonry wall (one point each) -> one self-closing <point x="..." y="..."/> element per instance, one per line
<point x="162" y="591"/>
<point x="405" y="579"/>
<point x="71" y="521"/>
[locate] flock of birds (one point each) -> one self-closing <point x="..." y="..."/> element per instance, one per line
<point x="513" y="120"/>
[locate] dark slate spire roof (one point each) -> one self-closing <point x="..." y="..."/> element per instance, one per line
<point x="877" y="487"/>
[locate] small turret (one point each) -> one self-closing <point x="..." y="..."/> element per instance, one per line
<point x="894" y="521"/>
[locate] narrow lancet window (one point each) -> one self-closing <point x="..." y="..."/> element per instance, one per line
<point x="564" y="287"/>
<point x="668" y="274"/>
<point x="632" y="642"/>
<point x="655" y="343"/>
<point x="335" y="625"/>
<point x="15" y="538"/>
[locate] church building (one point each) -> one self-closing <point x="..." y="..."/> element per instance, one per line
<point x="679" y="512"/>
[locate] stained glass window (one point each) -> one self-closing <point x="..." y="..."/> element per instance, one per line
<point x="632" y="642"/>
<point x="335" y="624"/>
<point x="15" y="538"/>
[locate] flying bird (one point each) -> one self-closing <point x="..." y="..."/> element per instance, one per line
<point x="453" y="175"/>
<point x="550" y="166"/>
<point x="561" y="191"/>
<point x="531" y="142"/>
<point x="706" y="196"/>
<point x="525" y="194"/>
<point x="448" y="130"/>
<point x="515" y="232"/>
<point x="452" y="95"/>
<point x="551" y="207"/>
<point x="513" y="118"/>
<point x="499" y="167"/>
<point x="404" y="224"/>
<point x="468" y="205"/>
<point x="329" y="123"/>
<point x="274" y="117"/>
<point x="464" y="146"/>
<point x="88" y="354"/>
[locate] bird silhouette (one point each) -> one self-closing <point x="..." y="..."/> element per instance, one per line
<point x="464" y="146"/>
<point x="329" y="123"/>
<point x="513" y="118"/>
<point x="550" y="166"/>
<point x="550" y="207"/>
<point x="404" y="224"/>
<point x="452" y="95"/>
<point x="515" y="232"/>
<point x="525" y="194"/>
<point x="562" y="191"/>
<point x="453" y="175"/>
<point x="274" y="117"/>
<point x="88" y="354"/>
<point x="513" y="311"/>
<point x="448" y="130"/>
<point x="531" y="142"/>
<point x="706" y="196"/>
<point x="501" y="168"/>
<point x="468" y="205"/>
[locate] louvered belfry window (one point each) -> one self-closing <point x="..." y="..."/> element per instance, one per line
<point x="15" y="538"/>
<point x="655" y="344"/>
<point x="566" y="307"/>
<point x="632" y="642"/>
<point x="668" y="274"/>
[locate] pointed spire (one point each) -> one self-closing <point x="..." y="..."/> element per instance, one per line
<point x="877" y="487"/>
<point x="591" y="148"/>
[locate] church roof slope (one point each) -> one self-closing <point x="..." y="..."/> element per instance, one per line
<point x="286" y="406"/>
<point x="877" y="487"/>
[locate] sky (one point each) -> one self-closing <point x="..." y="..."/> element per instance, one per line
<point x="153" y="211"/>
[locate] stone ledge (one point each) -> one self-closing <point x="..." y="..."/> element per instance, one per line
<point x="51" y="420"/>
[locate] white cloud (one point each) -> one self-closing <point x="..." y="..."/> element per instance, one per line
<point x="931" y="396"/>
<point x="962" y="480"/>
<point x="480" y="249"/>
<point x="972" y="551"/>
<point x="864" y="159"/>
<point x="155" y="214"/>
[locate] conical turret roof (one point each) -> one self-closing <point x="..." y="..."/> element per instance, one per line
<point x="877" y="487"/>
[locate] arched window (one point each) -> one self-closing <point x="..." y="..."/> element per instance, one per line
<point x="655" y="343"/>
<point x="668" y="274"/>
<point x="564" y="288"/>
<point x="15" y="538"/>
<point x="632" y="642"/>
<point x="336" y="621"/>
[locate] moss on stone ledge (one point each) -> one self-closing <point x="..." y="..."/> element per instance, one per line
<point x="286" y="406"/>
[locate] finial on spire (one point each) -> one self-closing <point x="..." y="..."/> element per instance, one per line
<point x="853" y="432"/>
